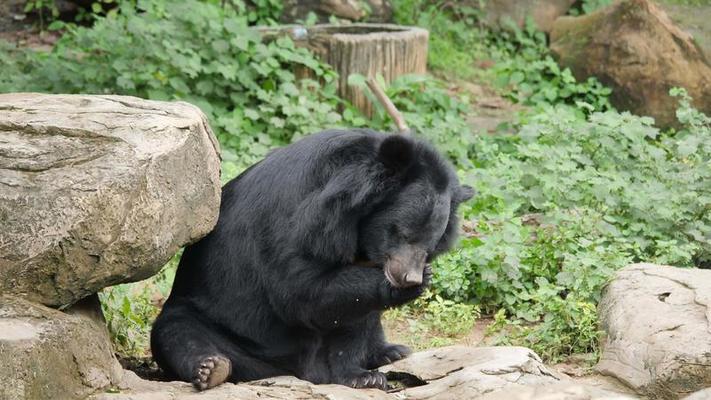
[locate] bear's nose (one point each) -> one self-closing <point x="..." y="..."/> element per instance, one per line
<point x="412" y="279"/>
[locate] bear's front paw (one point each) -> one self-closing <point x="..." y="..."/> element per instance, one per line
<point x="211" y="372"/>
<point x="399" y="295"/>
<point x="366" y="379"/>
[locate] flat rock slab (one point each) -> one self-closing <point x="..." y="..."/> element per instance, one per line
<point x="454" y="372"/>
<point x="657" y="321"/>
<point x="99" y="190"/>
<point x="558" y="391"/>
<point x="49" y="354"/>
<point x="459" y="372"/>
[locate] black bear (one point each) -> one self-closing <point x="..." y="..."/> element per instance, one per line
<point x="311" y="245"/>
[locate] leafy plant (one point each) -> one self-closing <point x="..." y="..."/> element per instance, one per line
<point x="192" y="51"/>
<point x="569" y="202"/>
<point x="588" y="6"/>
<point x="521" y="64"/>
<point x="42" y="7"/>
<point x="130" y="310"/>
<point x="456" y="41"/>
<point x="434" y="321"/>
<point x="530" y="75"/>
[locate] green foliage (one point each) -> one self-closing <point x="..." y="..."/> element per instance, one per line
<point x="196" y="52"/>
<point x="130" y="310"/>
<point x="522" y="65"/>
<point x="257" y="12"/>
<point x="434" y="321"/>
<point x="94" y="10"/>
<point x="569" y="201"/>
<point x="588" y="6"/>
<point x="456" y="42"/>
<point x="45" y="9"/>
<point x="530" y="75"/>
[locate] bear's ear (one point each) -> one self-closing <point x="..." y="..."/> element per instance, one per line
<point x="397" y="153"/>
<point x="463" y="193"/>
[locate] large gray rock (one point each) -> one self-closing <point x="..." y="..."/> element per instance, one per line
<point x="558" y="391"/>
<point x="657" y="321"/>
<point x="454" y="372"/>
<point x="99" y="190"/>
<point x="49" y="354"/>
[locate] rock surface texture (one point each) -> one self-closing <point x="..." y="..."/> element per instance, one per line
<point x="634" y="47"/>
<point x="657" y="321"/>
<point x="99" y="190"/>
<point x="454" y="372"/>
<point x="559" y="391"/>
<point x="49" y="354"/>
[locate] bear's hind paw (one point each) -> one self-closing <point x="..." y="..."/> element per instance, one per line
<point x="211" y="372"/>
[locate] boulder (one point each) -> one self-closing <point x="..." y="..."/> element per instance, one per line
<point x="454" y="372"/>
<point x="353" y="10"/>
<point x="497" y="13"/>
<point x="657" y="325"/>
<point x="50" y="354"/>
<point x="99" y="190"/>
<point x="558" y="391"/>
<point x="633" y="47"/>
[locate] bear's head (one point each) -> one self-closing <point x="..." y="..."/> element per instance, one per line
<point x="417" y="220"/>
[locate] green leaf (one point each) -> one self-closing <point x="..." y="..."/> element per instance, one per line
<point x="56" y="25"/>
<point x="516" y="78"/>
<point x="251" y="114"/>
<point x="220" y="46"/>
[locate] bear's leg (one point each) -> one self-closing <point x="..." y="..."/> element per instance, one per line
<point x="191" y="351"/>
<point x="381" y="352"/>
<point x="186" y="349"/>
<point x="349" y="354"/>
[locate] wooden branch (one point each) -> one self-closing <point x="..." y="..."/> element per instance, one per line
<point x="388" y="105"/>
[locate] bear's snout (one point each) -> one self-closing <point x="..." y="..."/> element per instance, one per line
<point x="405" y="267"/>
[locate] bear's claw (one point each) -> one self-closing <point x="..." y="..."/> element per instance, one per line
<point x="369" y="379"/>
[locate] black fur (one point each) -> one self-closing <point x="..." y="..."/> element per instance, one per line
<point x="280" y="286"/>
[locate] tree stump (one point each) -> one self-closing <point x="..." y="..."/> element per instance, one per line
<point x="366" y="49"/>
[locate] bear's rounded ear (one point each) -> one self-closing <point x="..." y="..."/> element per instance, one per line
<point x="396" y="152"/>
<point x="463" y="193"/>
